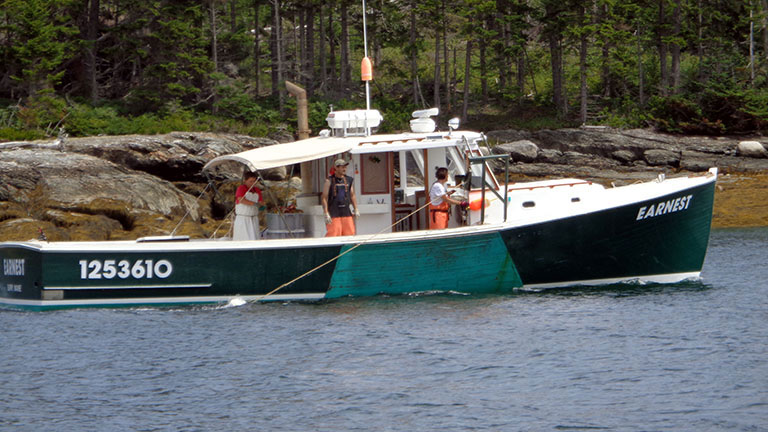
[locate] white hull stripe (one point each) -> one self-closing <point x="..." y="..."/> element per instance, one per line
<point x="119" y="287"/>
<point x="158" y="300"/>
<point x="663" y="278"/>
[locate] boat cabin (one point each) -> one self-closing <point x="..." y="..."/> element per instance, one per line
<point x="393" y="173"/>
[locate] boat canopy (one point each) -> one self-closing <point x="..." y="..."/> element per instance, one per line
<point x="285" y="154"/>
<point x="278" y="155"/>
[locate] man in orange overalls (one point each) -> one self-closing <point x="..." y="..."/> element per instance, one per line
<point x="338" y="193"/>
<point x="440" y="201"/>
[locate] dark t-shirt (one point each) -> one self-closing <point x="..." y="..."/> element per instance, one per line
<point x="339" y="196"/>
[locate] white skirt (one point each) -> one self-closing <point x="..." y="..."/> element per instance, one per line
<point x="246" y="225"/>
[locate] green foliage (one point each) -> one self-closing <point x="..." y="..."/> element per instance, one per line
<point x="397" y="116"/>
<point x="236" y="102"/>
<point x="42" y="34"/>
<point x="155" y="70"/>
<point x="722" y="107"/>
<point x="15" y="134"/>
<point x="177" y="60"/>
<point x="541" y="122"/>
<point x="44" y="112"/>
<point x="633" y="117"/>
<point x="679" y="115"/>
<point x="317" y="113"/>
<point x="85" y="121"/>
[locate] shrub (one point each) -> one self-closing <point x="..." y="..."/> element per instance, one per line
<point x="84" y="121"/>
<point x="43" y="111"/>
<point x="14" y="134"/>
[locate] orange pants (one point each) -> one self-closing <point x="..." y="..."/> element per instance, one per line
<point x="340" y="226"/>
<point x="439" y="215"/>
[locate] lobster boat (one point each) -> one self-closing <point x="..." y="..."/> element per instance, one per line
<point x="512" y="236"/>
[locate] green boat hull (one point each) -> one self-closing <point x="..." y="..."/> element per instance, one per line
<point x="612" y="245"/>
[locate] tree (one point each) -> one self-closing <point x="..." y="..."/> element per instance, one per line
<point x="555" y="18"/>
<point x="91" y="49"/>
<point x="41" y="39"/>
<point x="177" y="62"/>
<point x="344" y="45"/>
<point x="214" y="48"/>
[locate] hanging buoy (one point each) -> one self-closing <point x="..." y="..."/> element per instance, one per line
<point x="478" y="204"/>
<point x="366" y="70"/>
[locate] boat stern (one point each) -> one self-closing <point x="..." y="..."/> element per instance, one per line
<point x="21" y="276"/>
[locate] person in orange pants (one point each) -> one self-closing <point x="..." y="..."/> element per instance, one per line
<point x="338" y="193"/>
<point x="440" y="201"/>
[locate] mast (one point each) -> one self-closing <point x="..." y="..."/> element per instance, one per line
<point x="366" y="70"/>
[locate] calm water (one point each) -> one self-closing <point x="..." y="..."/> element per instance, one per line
<point x="687" y="357"/>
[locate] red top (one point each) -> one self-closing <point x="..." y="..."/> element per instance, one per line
<point x="242" y="189"/>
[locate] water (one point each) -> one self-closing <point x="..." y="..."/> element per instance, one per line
<point x="686" y="357"/>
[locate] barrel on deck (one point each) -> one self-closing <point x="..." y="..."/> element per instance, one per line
<point x="286" y="225"/>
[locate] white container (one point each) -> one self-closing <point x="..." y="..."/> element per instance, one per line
<point x="287" y="225"/>
<point x="354" y="119"/>
<point x="422" y="125"/>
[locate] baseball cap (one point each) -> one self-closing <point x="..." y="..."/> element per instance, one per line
<point x="340" y="162"/>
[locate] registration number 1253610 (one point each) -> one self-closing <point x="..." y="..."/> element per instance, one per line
<point x="124" y="269"/>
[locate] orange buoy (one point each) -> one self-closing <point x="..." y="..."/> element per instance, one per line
<point x="366" y="70"/>
<point x="478" y="204"/>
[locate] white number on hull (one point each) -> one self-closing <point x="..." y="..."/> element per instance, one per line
<point x="109" y="269"/>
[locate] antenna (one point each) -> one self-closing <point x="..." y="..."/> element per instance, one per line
<point x="366" y="77"/>
<point x="366" y="70"/>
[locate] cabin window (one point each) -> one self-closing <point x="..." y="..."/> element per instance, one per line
<point x="374" y="173"/>
<point x="575" y="199"/>
<point x="529" y="204"/>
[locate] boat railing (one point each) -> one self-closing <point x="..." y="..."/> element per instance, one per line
<point x="485" y="185"/>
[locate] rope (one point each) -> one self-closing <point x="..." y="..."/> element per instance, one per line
<point x="223" y="221"/>
<point x="341" y="254"/>
<point x="189" y="210"/>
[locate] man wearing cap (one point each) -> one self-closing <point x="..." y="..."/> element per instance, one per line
<point x="338" y="193"/>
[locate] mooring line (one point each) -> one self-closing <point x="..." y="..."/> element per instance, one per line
<point x="189" y="210"/>
<point x="341" y="254"/>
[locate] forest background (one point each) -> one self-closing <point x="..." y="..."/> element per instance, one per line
<point x="112" y="67"/>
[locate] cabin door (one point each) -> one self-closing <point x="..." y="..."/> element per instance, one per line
<point x="375" y="193"/>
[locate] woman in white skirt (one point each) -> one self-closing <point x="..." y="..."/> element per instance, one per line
<point x="247" y="202"/>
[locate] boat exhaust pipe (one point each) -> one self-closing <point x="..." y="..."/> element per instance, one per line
<point x="303" y="117"/>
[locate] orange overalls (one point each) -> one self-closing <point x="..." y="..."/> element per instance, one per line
<point x="439" y="215"/>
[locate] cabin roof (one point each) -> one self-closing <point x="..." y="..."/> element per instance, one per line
<point x="320" y="147"/>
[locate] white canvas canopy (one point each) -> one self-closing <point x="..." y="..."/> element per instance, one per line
<point x="320" y="147"/>
<point x="286" y="154"/>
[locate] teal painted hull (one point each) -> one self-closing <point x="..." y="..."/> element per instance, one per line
<point x="615" y="244"/>
<point x="446" y="264"/>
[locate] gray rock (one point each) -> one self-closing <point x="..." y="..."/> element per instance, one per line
<point x="523" y="150"/>
<point x="508" y="135"/>
<point x="624" y="156"/>
<point x="177" y="156"/>
<point x="72" y="181"/>
<point x="751" y="149"/>
<point x="632" y="150"/>
<point x="552" y="157"/>
<point x="660" y="157"/>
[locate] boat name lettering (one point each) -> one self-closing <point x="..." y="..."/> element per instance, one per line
<point x="13" y="266"/>
<point x="123" y="269"/>
<point x="13" y="288"/>
<point x="664" y="207"/>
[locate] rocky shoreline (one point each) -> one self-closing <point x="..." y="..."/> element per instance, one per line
<point x="617" y="157"/>
<point x="125" y="187"/>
